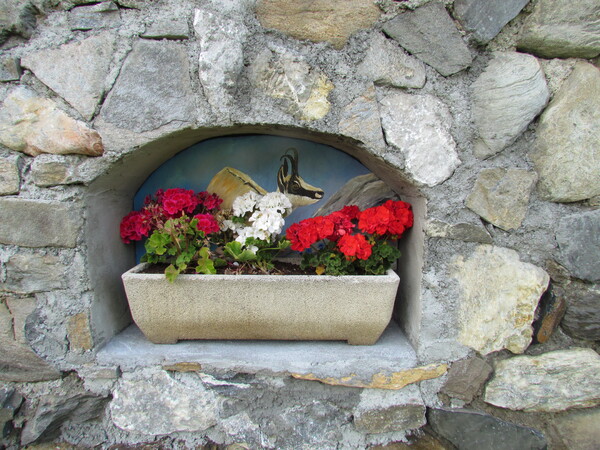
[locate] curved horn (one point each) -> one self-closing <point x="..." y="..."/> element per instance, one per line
<point x="293" y="159"/>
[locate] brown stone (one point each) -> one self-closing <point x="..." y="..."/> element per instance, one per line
<point x="331" y="21"/>
<point x="550" y="312"/>
<point x="466" y="377"/>
<point x="79" y="333"/>
<point x="579" y="429"/>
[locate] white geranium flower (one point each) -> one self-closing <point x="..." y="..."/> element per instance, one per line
<point x="276" y="201"/>
<point x="245" y="203"/>
<point x="269" y="220"/>
<point x="227" y="224"/>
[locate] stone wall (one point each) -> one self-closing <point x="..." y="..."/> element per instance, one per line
<point x="483" y="114"/>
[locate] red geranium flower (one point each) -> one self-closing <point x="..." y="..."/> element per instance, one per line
<point x="207" y="223"/>
<point x="375" y="220"/>
<point x="135" y="226"/>
<point x="355" y="245"/>
<point x="177" y="200"/>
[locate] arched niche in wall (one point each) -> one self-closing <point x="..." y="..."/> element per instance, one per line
<point x="190" y="158"/>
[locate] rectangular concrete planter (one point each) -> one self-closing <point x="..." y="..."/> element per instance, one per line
<point x="353" y="308"/>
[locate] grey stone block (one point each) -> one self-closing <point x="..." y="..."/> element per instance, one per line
<point x="578" y="237"/>
<point x="486" y="18"/>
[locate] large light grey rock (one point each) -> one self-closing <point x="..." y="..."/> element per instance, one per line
<point x="332" y="21"/>
<point x="27" y="274"/>
<point x="36" y="223"/>
<point x="507" y="96"/>
<point x="386" y="64"/>
<point x="360" y="119"/>
<point x="18" y="362"/>
<point x="565" y="152"/>
<point x="75" y="71"/>
<point x="579" y="429"/>
<point x="10" y="69"/>
<point x="562" y="29"/>
<point x="146" y="96"/>
<point x="486" y="18"/>
<point x="381" y="411"/>
<point x="501" y="196"/>
<point x="582" y="317"/>
<point x="419" y="127"/>
<point x="551" y="382"/>
<point x="578" y="237"/>
<point x="285" y="76"/>
<point x="499" y="296"/>
<point x="10" y="178"/>
<point x="152" y="401"/>
<point x="100" y="15"/>
<point x="467" y="232"/>
<point x="430" y="34"/>
<point x="221" y="59"/>
<point x="35" y="125"/>
<point x="473" y="430"/>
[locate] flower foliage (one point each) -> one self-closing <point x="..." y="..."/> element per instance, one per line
<point x="352" y="241"/>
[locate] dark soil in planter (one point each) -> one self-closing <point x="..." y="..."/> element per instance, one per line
<point x="281" y="268"/>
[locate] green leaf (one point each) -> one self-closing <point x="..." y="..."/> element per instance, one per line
<point x="171" y="272"/>
<point x="206" y="266"/>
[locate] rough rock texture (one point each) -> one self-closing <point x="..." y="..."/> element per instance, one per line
<point x="221" y="38"/>
<point x="472" y="430"/>
<point x="562" y="29"/>
<point x="430" y="34"/>
<point x="145" y="98"/>
<point x="419" y="127"/>
<point x="386" y="64"/>
<point x="26" y="274"/>
<point x="155" y="402"/>
<point x="18" y="362"/>
<point x="10" y="69"/>
<point x="10" y="178"/>
<point x="49" y="224"/>
<point x="10" y="401"/>
<point x="579" y="429"/>
<point x="360" y="119"/>
<point x="578" y="237"/>
<point x="75" y="71"/>
<point x="332" y="21"/>
<point x="582" y="317"/>
<point x="167" y="28"/>
<point x="484" y="18"/>
<point x="549" y="313"/>
<point x="465" y="378"/>
<point x="566" y="153"/>
<point x="555" y="381"/>
<point x="303" y="89"/>
<point x="79" y="333"/>
<point x="17" y="17"/>
<point x="100" y="15"/>
<point x="501" y="196"/>
<point x="499" y="297"/>
<point x="507" y="96"/>
<point x="383" y="412"/>
<point x="34" y="125"/>
<point x="467" y="232"/>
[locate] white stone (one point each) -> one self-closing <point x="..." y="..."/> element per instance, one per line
<point x="551" y="382"/>
<point x="419" y="126"/>
<point x="360" y="120"/>
<point x="507" y="96"/>
<point x="499" y="298"/>
<point x="153" y="402"/>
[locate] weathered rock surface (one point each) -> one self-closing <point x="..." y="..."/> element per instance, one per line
<point x="360" y="119"/>
<point x="419" y="127"/>
<point x="501" y="196"/>
<point x="582" y="317"/>
<point x="167" y="28"/>
<point x="144" y="98"/>
<point x="553" y="381"/>
<point x="578" y="237"/>
<point x="507" y="96"/>
<point x="566" y="153"/>
<point x="363" y="191"/>
<point x="466" y="378"/>
<point x="34" y="125"/>
<point x="79" y="332"/>
<point x="221" y="59"/>
<point x="562" y="29"/>
<point x="10" y="401"/>
<point x="383" y="412"/>
<point x="10" y="178"/>
<point x="485" y="19"/>
<point x="17" y="17"/>
<point x="153" y="402"/>
<point x="579" y="429"/>
<point x="18" y="362"/>
<point x="549" y="313"/>
<point x="70" y="402"/>
<point x="26" y="274"/>
<point x="75" y="71"/>
<point x="499" y="297"/>
<point x="284" y="76"/>
<point x="467" y="232"/>
<point x="386" y="64"/>
<point x="49" y="224"/>
<point x="332" y="21"/>
<point x="100" y="15"/>
<point x="430" y="34"/>
<point x="473" y="430"/>
<point x="10" y="69"/>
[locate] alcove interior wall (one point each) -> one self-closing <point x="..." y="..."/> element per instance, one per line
<point x="110" y="197"/>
